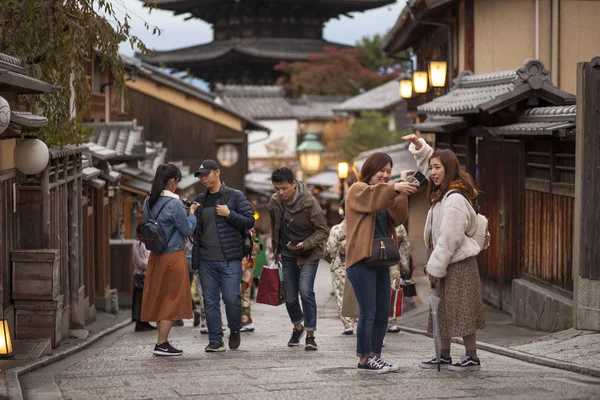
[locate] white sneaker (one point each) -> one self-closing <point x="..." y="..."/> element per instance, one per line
<point x="348" y="331"/>
<point x="393" y="367"/>
<point x="203" y="330"/>
<point x="248" y="328"/>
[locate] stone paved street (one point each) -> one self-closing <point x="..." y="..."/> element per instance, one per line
<point x="121" y="366"/>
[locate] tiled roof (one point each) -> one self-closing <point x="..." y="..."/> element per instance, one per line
<point x="401" y="157"/>
<point x="539" y="121"/>
<point x="440" y="124"/>
<point x="26" y="120"/>
<point x="381" y="98"/>
<point x="316" y="107"/>
<point x="117" y="140"/>
<point x="278" y="49"/>
<point x="326" y="178"/>
<point x="260" y="102"/>
<point x="14" y="78"/>
<point x="495" y="91"/>
<point x="159" y="76"/>
<point x="259" y="182"/>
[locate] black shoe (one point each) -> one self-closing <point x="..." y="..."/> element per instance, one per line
<point x="310" y="342"/>
<point x="166" y="349"/>
<point x="296" y="336"/>
<point x="373" y="366"/>
<point x="214" y="347"/>
<point x="393" y="367"/>
<point x="466" y="364"/>
<point x="433" y="364"/>
<point x="234" y="340"/>
<point x="143" y="327"/>
<point x="179" y="322"/>
<point x="196" y="318"/>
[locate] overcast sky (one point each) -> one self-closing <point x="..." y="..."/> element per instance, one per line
<point x="177" y="32"/>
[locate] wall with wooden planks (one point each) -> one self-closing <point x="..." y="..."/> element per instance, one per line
<point x="189" y="137"/>
<point x="8" y="239"/>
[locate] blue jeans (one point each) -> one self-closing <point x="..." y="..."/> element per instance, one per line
<point x="224" y="277"/>
<point x="300" y="279"/>
<point x="372" y="288"/>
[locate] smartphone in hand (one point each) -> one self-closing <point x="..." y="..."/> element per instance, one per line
<point x="417" y="177"/>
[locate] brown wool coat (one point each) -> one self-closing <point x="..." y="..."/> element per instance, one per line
<point x="362" y="203"/>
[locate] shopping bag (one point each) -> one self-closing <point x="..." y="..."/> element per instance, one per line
<point x="349" y="302"/>
<point x="396" y="303"/>
<point x="270" y="288"/>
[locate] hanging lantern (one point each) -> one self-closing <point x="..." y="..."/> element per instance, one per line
<point x="420" y="81"/>
<point x="406" y="88"/>
<point x="31" y="156"/>
<point x="6" y="349"/>
<point x="437" y="73"/>
<point x="4" y="114"/>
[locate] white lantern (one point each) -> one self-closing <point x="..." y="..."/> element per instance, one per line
<point x="31" y="156"/>
<point x="4" y="114"/>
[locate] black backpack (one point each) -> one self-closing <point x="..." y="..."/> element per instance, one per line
<point x="247" y="242"/>
<point x="152" y="234"/>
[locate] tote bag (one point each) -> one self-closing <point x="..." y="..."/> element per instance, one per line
<point x="270" y="286"/>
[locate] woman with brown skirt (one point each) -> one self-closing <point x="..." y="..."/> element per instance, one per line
<point x="167" y="295"/>
<point x="452" y="266"/>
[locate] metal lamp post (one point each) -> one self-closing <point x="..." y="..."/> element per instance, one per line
<point x="309" y="152"/>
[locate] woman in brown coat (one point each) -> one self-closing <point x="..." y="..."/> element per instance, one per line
<point x="167" y="296"/>
<point x="374" y="207"/>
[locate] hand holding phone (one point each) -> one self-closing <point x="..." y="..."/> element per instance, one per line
<point x="298" y="246"/>
<point x="417" y="177"/>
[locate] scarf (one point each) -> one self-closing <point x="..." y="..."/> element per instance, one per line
<point x="454" y="185"/>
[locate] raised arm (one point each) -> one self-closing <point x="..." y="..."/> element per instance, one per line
<point x="422" y="153"/>
<point x="365" y="198"/>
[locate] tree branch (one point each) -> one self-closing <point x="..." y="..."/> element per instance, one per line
<point x="39" y="57"/>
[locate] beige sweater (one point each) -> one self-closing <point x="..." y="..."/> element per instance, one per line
<point x="362" y="203"/>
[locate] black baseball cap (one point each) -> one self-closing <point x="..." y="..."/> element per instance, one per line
<point x="206" y="167"/>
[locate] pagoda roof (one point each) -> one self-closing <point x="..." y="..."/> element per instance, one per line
<point x="210" y="10"/>
<point x="272" y="49"/>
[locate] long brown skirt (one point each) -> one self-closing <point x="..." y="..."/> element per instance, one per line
<point x="461" y="304"/>
<point x="167" y="295"/>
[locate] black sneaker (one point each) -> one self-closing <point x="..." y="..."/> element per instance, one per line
<point x="234" y="340"/>
<point x="466" y="364"/>
<point x="165" y="349"/>
<point x="393" y="367"/>
<point x="373" y="366"/>
<point x="433" y="364"/>
<point x="214" y="347"/>
<point x="310" y="342"/>
<point x="296" y="336"/>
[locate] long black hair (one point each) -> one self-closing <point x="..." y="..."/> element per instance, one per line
<point x="163" y="174"/>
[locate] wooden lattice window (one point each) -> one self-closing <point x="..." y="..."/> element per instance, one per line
<point x="550" y="165"/>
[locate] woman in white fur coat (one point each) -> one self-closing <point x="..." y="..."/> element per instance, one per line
<point x="452" y="266"/>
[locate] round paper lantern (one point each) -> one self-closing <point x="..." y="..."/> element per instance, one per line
<point x="4" y="114"/>
<point x="31" y="156"/>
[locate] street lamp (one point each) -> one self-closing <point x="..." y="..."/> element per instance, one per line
<point x="309" y="152"/>
<point x="420" y="81"/>
<point x="343" y="175"/>
<point x="406" y="88"/>
<point x="437" y="73"/>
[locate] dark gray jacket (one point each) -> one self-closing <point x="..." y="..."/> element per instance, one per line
<point x="229" y="229"/>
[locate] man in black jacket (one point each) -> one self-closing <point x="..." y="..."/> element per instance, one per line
<point x="223" y="215"/>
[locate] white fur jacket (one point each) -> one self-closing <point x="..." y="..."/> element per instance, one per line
<point x="447" y="223"/>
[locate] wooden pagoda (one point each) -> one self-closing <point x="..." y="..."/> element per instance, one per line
<point x="251" y="37"/>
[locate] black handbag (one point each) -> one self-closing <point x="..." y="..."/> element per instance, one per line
<point x="384" y="253"/>
<point x="138" y="281"/>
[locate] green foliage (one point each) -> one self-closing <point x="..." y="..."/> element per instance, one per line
<point x="55" y="39"/>
<point x="368" y="132"/>
<point x="370" y="55"/>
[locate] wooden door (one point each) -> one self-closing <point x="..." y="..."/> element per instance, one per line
<point x="502" y="200"/>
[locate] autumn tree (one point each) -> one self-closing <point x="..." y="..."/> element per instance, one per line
<point x="334" y="72"/>
<point x="55" y="39"/>
<point x="369" y="131"/>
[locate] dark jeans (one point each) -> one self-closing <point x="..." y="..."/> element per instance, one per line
<point x="300" y="279"/>
<point x="224" y="277"/>
<point x="372" y="288"/>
